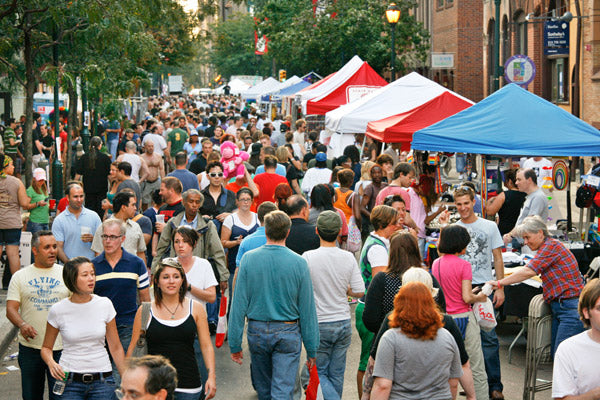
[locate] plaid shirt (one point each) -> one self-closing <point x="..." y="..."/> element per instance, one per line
<point x="558" y="269"/>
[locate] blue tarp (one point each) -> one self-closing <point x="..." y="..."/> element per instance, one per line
<point x="295" y="88"/>
<point x="512" y="121"/>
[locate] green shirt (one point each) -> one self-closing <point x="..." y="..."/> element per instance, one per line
<point x="8" y="134"/>
<point x="177" y="137"/>
<point x="39" y="215"/>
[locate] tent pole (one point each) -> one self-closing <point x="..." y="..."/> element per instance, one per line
<point x="362" y="148"/>
<point x="569" y="219"/>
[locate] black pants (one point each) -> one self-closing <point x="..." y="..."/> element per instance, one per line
<point x="93" y="201"/>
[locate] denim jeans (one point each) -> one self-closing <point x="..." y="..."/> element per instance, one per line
<point x="275" y="354"/>
<point x="491" y="358"/>
<point x="102" y="389"/>
<point x="200" y="361"/>
<point x="112" y="145"/>
<point x="188" y="396"/>
<point x="34" y="227"/>
<point x="33" y="369"/>
<point x="331" y="356"/>
<point x="212" y="309"/>
<point x="124" y="332"/>
<point x="565" y="321"/>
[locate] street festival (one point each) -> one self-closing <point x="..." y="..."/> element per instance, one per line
<point x="388" y="222"/>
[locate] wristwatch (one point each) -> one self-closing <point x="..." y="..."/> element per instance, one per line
<point x="189" y="288"/>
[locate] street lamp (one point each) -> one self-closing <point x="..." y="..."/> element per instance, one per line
<point x="392" y="14"/>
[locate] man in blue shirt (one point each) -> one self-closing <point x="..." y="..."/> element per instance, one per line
<point x="274" y="290"/>
<point x="74" y="228"/>
<point x="120" y="276"/>
<point x="258" y="238"/>
<point x="188" y="179"/>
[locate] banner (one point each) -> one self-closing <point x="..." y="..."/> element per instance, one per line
<point x="261" y="42"/>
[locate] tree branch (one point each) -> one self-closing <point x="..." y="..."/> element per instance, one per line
<point x="12" y="67"/>
<point x="9" y="9"/>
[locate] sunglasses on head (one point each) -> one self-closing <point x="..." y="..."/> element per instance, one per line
<point x="215" y="174"/>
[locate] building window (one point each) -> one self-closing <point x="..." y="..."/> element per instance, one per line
<point x="560" y="83"/>
<point x="520" y="27"/>
<point x="440" y="4"/>
<point x="449" y="3"/>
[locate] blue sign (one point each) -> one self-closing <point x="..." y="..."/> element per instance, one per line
<point x="556" y="37"/>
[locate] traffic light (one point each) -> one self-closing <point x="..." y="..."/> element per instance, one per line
<point x="282" y="75"/>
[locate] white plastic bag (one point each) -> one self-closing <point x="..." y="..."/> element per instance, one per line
<point x="484" y="311"/>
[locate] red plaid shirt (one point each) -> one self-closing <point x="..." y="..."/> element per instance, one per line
<point x="558" y="268"/>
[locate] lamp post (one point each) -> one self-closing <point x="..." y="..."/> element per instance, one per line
<point x="497" y="67"/>
<point x="392" y="14"/>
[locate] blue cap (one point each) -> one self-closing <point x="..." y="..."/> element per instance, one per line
<point x="321" y="157"/>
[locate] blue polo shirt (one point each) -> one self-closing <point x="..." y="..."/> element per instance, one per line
<point x="121" y="284"/>
<point x="66" y="228"/>
<point x="251" y="242"/>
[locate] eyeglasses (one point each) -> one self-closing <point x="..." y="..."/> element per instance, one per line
<point x="122" y="395"/>
<point x="111" y="237"/>
<point x="215" y="174"/>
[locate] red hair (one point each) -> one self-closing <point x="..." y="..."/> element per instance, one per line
<point x="415" y="312"/>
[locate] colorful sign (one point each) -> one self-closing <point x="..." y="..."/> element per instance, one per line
<point x="519" y="69"/>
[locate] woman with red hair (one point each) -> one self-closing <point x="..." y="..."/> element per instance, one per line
<point x="417" y="358"/>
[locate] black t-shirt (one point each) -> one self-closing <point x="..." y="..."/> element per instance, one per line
<point x="35" y="135"/>
<point x="95" y="180"/>
<point x="198" y="165"/>
<point x="171" y="210"/>
<point x="302" y="237"/>
<point x="210" y="131"/>
<point x="307" y="157"/>
<point x="47" y="141"/>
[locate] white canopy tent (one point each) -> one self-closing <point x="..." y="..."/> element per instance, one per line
<point x="237" y="87"/>
<point x="255" y="91"/>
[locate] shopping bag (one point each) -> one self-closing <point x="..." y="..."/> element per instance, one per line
<point x="222" y="324"/>
<point x="313" y="390"/>
<point x="353" y="243"/>
<point x="484" y="315"/>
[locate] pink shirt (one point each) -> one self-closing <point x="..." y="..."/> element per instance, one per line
<point x="390" y="191"/>
<point x="450" y="271"/>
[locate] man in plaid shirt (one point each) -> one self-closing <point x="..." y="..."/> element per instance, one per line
<point x="561" y="280"/>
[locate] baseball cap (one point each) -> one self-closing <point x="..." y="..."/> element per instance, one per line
<point x="321" y="157"/>
<point x="39" y="174"/>
<point x="329" y="222"/>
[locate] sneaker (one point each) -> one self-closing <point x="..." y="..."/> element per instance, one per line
<point x="212" y="328"/>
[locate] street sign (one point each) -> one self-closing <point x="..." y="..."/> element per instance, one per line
<point x="519" y="69"/>
<point x="442" y="60"/>
<point x="556" y="37"/>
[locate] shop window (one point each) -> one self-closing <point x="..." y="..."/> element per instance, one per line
<point x="560" y="79"/>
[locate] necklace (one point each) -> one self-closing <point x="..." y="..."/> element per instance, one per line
<point x="172" y="312"/>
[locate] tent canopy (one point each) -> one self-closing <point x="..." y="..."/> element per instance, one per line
<point x="400" y="96"/>
<point x="255" y="91"/>
<point x="295" y="88"/>
<point x="353" y="81"/>
<point x="512" y="121"/>
<point x="237" y="86"/>
<point x="400" y="128"/>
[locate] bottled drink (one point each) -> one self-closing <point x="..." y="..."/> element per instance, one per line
<point x="59" y="386"/>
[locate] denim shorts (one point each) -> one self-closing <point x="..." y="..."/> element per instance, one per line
<point x="10" y="237"/>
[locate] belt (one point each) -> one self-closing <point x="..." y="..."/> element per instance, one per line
<point x="280" y="322"/>
<point x="561" y="299"/>
<point x="147" y="181"/>
<point x="89" y="378"/>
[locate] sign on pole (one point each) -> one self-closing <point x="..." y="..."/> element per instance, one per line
<point x="519" y="69"/>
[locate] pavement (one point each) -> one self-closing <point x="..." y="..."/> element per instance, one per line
<point x="8" y="332"/>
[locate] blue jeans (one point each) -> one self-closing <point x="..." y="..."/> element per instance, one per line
<point x="124" y="332"/>
<point x="102" y="389"/>
<point x="212" y="309"/>
<point x="275" y="354"/>
<point x="491" y="358"/>
<point x="33" y="369"/>
<point x="335" y="339"/>
<point x="188" y="396"/>
<point x="565" y="321"/>
<point x="112" y="145"/>
<point x="200" y="361"/>
<point x="34" y="227"/>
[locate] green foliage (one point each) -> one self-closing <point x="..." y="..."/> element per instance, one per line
<point x="300" y="42"/>
<point x="233" y="48"/>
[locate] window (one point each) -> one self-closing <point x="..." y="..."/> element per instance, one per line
<point x="560" y="86"/>
<point x="440" y="3"/>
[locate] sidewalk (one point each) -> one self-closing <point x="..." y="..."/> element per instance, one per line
<point x="8" y="331"/>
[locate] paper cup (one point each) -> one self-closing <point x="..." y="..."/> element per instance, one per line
<point x="52" y="204"/>
<point x="86" y="230"/>
<point x="160" y="218"/>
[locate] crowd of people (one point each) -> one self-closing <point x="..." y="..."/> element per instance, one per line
<point x="206" y="199"/>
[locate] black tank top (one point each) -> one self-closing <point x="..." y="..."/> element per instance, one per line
<point x="176" y="343"/>
<point x="510" y="210"/>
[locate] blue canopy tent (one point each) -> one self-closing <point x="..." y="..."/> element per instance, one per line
<point x="288" y="91"/>
<point x="512" y="121"/>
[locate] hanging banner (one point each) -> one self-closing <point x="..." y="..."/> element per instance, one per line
<point x="261" y="42"/>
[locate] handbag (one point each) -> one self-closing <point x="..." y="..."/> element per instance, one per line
<point x="484" y="315"/>
<point x="222" y="323"/>
<point x="141" y="347"/>
<point x="313" y="390"/>
<point x="354" y="242"/>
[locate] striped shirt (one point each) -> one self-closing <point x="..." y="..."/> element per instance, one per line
<point x="120" y="284"/>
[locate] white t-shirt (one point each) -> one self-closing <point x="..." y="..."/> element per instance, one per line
<point x="36" y="290"/>
<point x="485" y="237"/>
<point x="159" y="142"/>
<point x="332" y="271"/>
<point x="83" y="329"/>
<point x="576" y="366"/>
<point x="201" y="276"/>
<point x="233" y="219"/>
<point x="377" y="255"/>
<point x="136" y="164"/>
<point x="538" y="168"/>
<point x="313" y="177"/>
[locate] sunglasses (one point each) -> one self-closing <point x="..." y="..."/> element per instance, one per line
<point x="215" y="174"/>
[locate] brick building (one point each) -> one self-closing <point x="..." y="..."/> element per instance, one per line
<point x="456" y="46"/>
